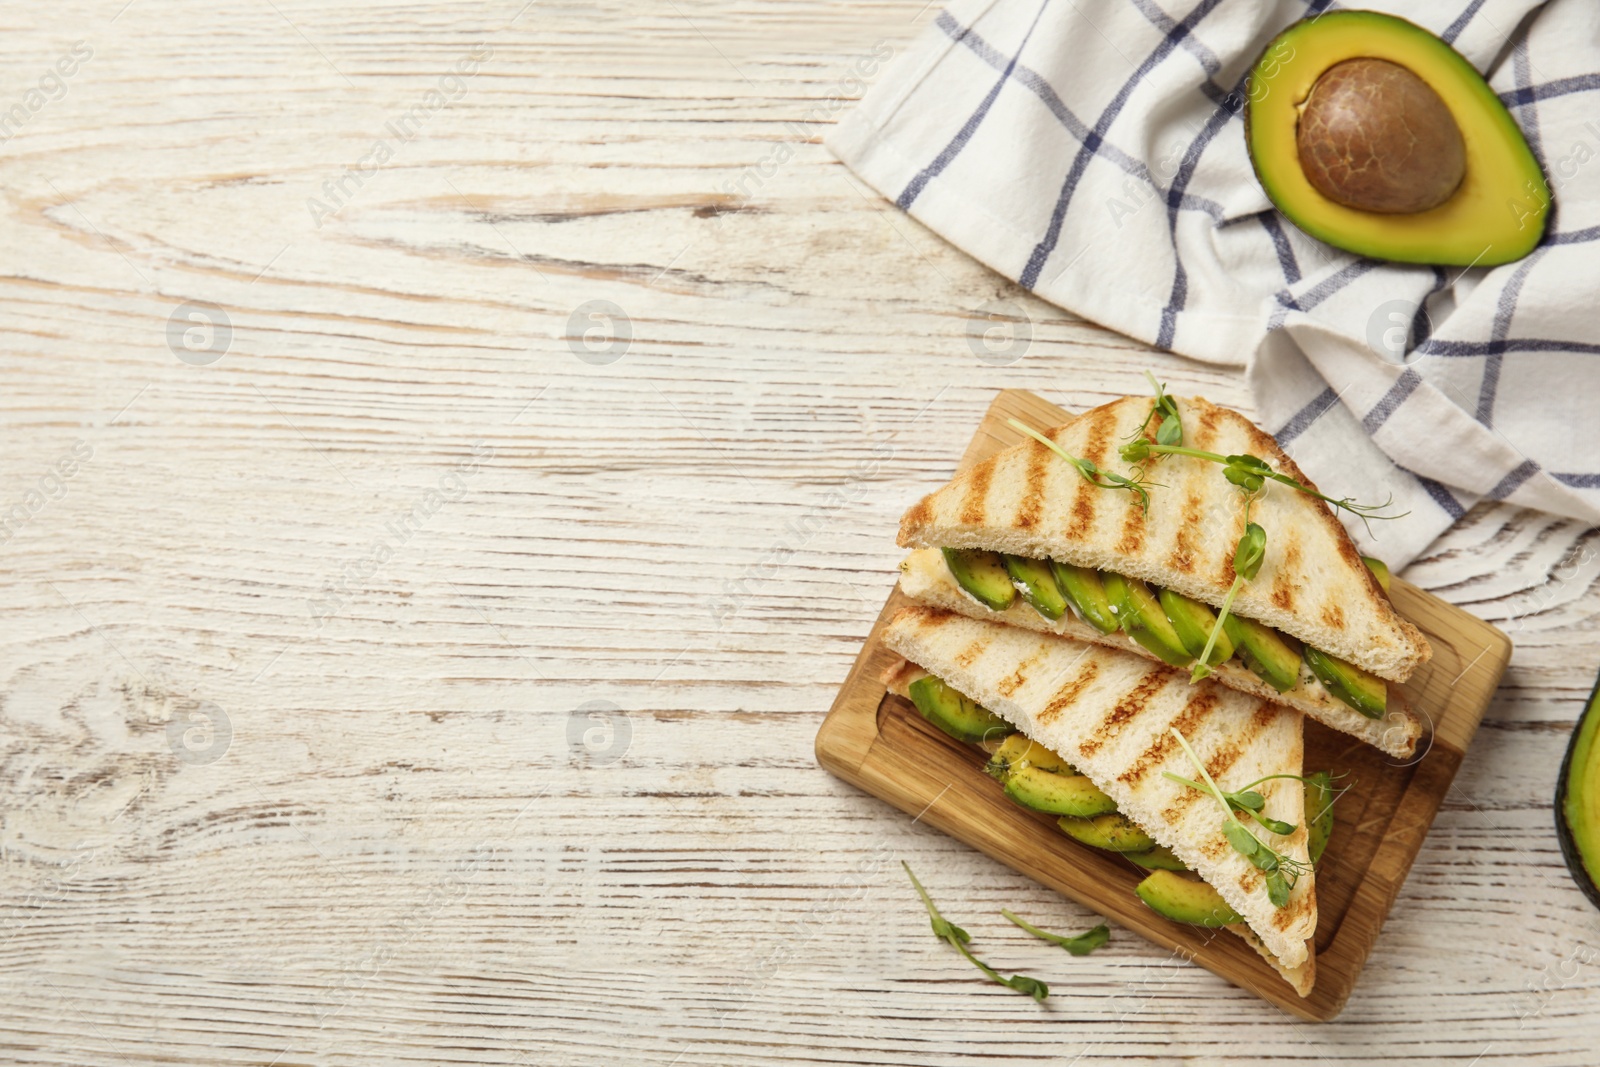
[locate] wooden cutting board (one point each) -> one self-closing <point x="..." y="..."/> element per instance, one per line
<point x="880" y="743"/>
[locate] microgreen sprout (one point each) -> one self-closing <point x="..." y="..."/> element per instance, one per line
<point x="1170" y="432"/>
<point x="1247" y="559"/>
<point x="1251" y="472"/>
<point x="1080" y="945"/>
<point x="958" y="939"/>
<point x="1281" y="872"/>
<point x="1091" y="472"/>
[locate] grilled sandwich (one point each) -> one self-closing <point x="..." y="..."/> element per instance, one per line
<point x="1024" y="538"/>
<point x="1110" y="714"/>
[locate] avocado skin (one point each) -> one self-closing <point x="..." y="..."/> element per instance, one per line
<point x="1113" y="831"/>
<point x="1159" y="858"/>
<point x="1185" y="900"/>
<point x="1017" y="748"/>
<point x="982" y="574"/>
<point x="1352" y="685"/>
<point x="1142" y="619"/>
<point x="1038" y="585"/>
<point x="1578" y="799"/>
<point x="1272" y="656"/>
<point x="1193" y="622"/>
<point x="1319" y="813"/>
<point x="1082" y="586"/>
<point x="1055" y="794"/>
<point x="953" y="713"/>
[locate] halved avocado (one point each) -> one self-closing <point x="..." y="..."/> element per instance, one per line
<point x="1159" y="858"/>
<point x="1141" y="618"/>
<point x="1319" y="813"/>
<point x="1082" y="586"/>
<point x="1185" y="900"/>
<point x="1274" y="657"/>
<point x="961" y="718"/>
<point x="1112" y="831"/>
<point x="1038" y="585"/>
<point x="983" y="574"/>
<point x="1018" y="749"/>
<point x="1193" y="622"/>
<point x="1379" y="569"/>
<point x="1365" y="692"/>
<point x="1578" y="801"/>
<point x="1377" y="137"/>
<point x="1057" y="794"/>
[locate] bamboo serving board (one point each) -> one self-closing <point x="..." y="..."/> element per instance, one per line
<point x="880" y="743"/>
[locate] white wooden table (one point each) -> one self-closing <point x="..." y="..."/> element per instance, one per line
<point x="408" y="659"/>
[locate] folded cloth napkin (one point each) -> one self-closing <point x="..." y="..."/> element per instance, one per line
<point x="1093" y="151"/>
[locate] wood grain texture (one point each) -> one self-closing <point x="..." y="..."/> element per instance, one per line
<point x="417" y="845"/>
<point x="878" y="742"/>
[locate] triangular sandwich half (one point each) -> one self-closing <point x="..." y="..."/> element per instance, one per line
<point x="1313" y="629"/>
<point x="1110" y="714"/>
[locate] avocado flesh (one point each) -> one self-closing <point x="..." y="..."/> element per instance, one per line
<point x="1366" y="693"/>
<point x="1039" y="586"/>
<point x="953" y="713"/>
<point x="1272" y="656"/>
<point x="1578" y="802"/>
<point x="1185" y="900"/>
<point x="1141" y="618"/>
<point x="1112" y="831"/>
<point x="1018" y="749"/>
<point x="1379" y="569"/>
<point x="1082" y="586"/>
<point x="1159" y="858"/>
<point x="1498" y="212"/>
<point x="1319" y="813"/>
<point x="1193" y="622"/>
<point x="983" y="574"/>
<point x="1057" y="794"/>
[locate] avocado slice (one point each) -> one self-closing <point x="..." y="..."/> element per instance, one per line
<point x="1457" y="184"/>
<point x="1039" y="586"/>
<point x="983" y="574"/>
<point x="1366" y="693"/>
<point x="961" y="718"/>
<point x="1319" y="813"/>
<point x="1018" y="749"/>
<point x="1159" y="858"/>
<point x="1193" y="622"/>
<point x="1273" y="656"/>
<point x="1379" y="569"/>
<point x="1185" y="900"/>
<point x="1057" y="794"/>
<point x="1140" y="615"/>
<point x="1083" y="587"/>
<point x="1113" y="831"/>
<point x="1578" y="801"/>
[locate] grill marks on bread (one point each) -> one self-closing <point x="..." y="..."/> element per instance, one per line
<point x="1068" y="694"/>
<point x="1121" y="713"/>
<point x="972" y="503"/>
<point x="1033" y="496"/>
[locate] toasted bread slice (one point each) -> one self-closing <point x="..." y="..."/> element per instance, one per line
<point x="1312" y="585"/>
<point x="925" y="579"/>
<point x="1110" y="714"/>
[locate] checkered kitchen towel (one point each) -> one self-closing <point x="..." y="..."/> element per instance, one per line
<point x="1093" y="150"/>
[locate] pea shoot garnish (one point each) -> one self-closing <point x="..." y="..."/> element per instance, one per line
<point x="1170" y="432"/>
<point x="1281" y="872"/>
<point x="1247" y="559"/>
<point x="1091" y="472"/>
<point x="1246" y="799"/>
<point x="1079" y="945"/>
<point x="958" y="939"/>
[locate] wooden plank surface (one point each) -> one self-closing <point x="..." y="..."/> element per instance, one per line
<point x="539" y="787"/>
<point x="878" y="742"/>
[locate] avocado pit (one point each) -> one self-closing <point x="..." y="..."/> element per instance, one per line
<point x="1373" y="136"/>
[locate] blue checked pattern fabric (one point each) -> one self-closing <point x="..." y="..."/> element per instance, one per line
<point x="1093" y="151"/>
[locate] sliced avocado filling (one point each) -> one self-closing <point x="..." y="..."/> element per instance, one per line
<point x="956" y="715"/>
<point x="1056" y="794"/>
<point x="1112" y="831"/>
<point x="1172" y="627"/>
<point x="1364" y="692"/>
<point x="1185" y="900"/>
<point x="1019" y="749"/>
<point x="1319" y="813"/>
